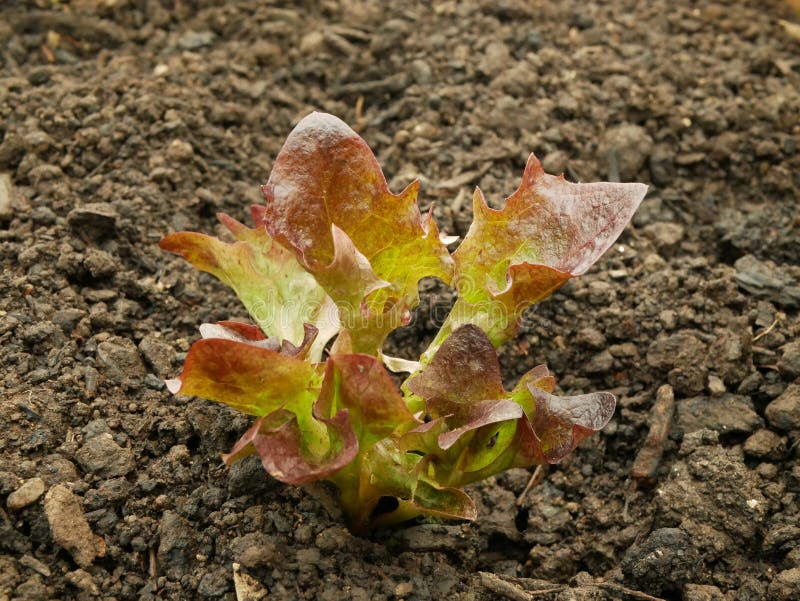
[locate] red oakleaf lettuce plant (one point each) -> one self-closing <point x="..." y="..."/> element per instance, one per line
<point x="331" y="266"/>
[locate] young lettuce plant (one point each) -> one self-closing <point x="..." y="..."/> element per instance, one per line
<point x="331" y="267"/>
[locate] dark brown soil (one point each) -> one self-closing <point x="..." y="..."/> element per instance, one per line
<point x="122" y="120"/>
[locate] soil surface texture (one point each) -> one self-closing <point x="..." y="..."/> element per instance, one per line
<point x="124" y="120"/>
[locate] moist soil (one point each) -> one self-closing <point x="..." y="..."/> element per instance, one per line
<point x="123" y="120"/>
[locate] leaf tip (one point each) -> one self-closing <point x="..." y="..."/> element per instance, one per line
<point x="170" y="242"/>
<point x="174" y="385"/>
<point x="480" y="208"/>
<point x="533" y="170"/>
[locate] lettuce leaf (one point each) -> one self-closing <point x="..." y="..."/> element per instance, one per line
<point x="476" y="428"/>
<point x="549" y="231"/>
<point x="328" y="201"/>
<point x="279" y="294"/>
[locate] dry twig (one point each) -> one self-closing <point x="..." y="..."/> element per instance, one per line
<point x="517" y="589"/>
<point x="538" y="475"/>
<point x="770" y="327"/>
<point x="646" y="463"/>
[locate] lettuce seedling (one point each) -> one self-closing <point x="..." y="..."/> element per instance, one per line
<point x="331" y="267"/>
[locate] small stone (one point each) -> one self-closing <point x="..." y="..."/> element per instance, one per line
<point x="495" y="59"/>
<point x="99" y="263"/>
<point x="763" y="279"/>
<point x="83" y="580"/>
<point x="725" y="414"/>
<point x="403" y="589"/>
<point x="43" y="215"/>
<point x="247" y="588"/>
<point x="715" y="385"/>
<point x="789" y="363"/>
<point x="702" y="592"/>
<point x="11" y="150"/>
<point x="765" y="444"/>
<point x="214" y="584"/>
<point x="177" y="544"/>
<point x="626" y="350"/>
<point x="312" y="42"/>
<point x="180" y="151"/>
<point x="103" y="456"/>
<point x="67" y="319"/>
<point x="625" y="148"/>
<point x="194" y="40"/>
<point x="6" y="197"/>
<point x="666" y="236"/>
<point x="95" y="428"/>
<point x="690" y="158"/>
<point x="786" y="585"/>
<point x="158" y="354"/>
<point x="666" y="557"/>
<point x="421" y="71"/>
<point x="34" y="564"/>
<point x="68" y="525"/>
<point x="8" y="323"/>
<point x="600" y="363"/>
<point x="27" y="494"/>
<point x="254" y="549"/>
<point x="97" y="220"/>
<point x="120" y="361"/>
<point x="784" y="412"/>
<point x="56" y="469"/>
<point x="154" y="382"/>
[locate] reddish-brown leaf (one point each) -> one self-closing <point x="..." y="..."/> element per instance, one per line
<point x="548" y="231"/>
<point x="245" y="376"/>
<point x="281" y="445"/>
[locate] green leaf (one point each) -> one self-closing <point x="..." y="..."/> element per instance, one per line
<point x="278" y="293"/>
<point x="361" y="385"/>
<point x="328" y="201"/>
<point x="561" y="423"/>
<point x="478" y="429"/>
<point x="247" y="377"/>
<point x="283" y="446"/>
<point x="388" y="471"/>
<point x="295" y="441"/>
<point x="549" y="231"/>
<point x="464" y="371"/>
